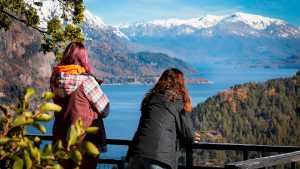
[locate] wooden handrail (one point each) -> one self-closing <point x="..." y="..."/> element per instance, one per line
<point x="266" y="161"/>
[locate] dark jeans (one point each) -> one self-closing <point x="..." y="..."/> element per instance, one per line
<point x="144" y="163"/>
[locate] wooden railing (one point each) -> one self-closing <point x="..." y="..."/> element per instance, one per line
<point x="289" y="154"/>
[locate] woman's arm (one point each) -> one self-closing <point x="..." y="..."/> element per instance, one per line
<point x="193" y="135"/>
<point x="96" y="96"/>
<point x="187" y="126"/>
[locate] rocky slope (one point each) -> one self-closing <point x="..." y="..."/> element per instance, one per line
<point x="24" y="65"/>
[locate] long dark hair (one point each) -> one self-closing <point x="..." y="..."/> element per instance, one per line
<point x="171" y="83"/>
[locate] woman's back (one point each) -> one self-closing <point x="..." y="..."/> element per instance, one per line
<point x="164" y="123"/>
<point x="156" y="136"/>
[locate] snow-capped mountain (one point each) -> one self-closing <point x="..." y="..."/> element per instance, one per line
<point x="244" y="37"/>
<point x="92" y="23"/>
<point x="50" y="9"/>
<point x="255" y="21"/>
<point x="249" y="23"/>
<point x="239" y="37"/>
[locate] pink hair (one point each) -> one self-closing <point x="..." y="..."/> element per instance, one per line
<point x="77" y="54"/>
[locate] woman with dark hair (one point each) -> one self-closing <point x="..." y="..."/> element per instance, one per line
<point x="165" y="125"/>
<point x="81" y="97"/>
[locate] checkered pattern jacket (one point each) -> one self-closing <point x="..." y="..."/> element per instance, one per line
<point x="63" y="84"/>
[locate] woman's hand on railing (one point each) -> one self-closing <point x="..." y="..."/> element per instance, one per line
<point x="197" y="137"/>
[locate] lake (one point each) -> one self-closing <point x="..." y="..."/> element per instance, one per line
<point x="125" y="99"/>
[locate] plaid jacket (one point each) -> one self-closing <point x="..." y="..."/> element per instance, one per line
<point x="63" y="84"/>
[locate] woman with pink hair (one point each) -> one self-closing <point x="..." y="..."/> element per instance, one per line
<point x="81" y="97"/>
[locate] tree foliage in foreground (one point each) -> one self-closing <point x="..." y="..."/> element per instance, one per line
<point x="18" y="151"/>
<point x="60" y="30"/>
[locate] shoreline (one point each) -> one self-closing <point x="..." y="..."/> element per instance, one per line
<point x="140" y="83"/>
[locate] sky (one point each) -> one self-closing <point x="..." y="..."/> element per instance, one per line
<point x="115" y="12"/>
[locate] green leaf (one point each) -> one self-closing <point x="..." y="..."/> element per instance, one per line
<point x="3" y="153"/>
<point x="61" y="154"/>
<point x="40" y="127"/>
<point x="36" y="155"/>
<point x="57" y="166"/>
<point x="18" y="164"/>
<point x="27" y="114"/>
<point x="29" y="92"/>
<point x="28" y="161"/>
<point x="90" y="148"/>
<point x="23" y="143"/>
<point x="79" y="127"/>
<point x="76" y="156"/>
<point x="92" y="130"/>
<point x="72" y="136"/>
<point x="47" y="149"/>
<point x="74" y="133"/>
<point x="48" y="158"/>
<point x="22" y="120"/>
<point x="46" y="107"/>
<point x="58" y="145"/>
<point x="43" y="117"/>
<point x="4" y="140"/>
<point x="54" y="25"/>
<point x="36" y="139"/>
<point x="48" y="95"/>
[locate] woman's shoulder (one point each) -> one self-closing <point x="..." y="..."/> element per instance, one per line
<point x="163" y="99"/>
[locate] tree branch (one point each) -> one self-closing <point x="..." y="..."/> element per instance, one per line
<point x="22" y="21"/>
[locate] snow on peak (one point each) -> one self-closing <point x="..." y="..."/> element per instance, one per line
<point x="93" y="20"/>
<point x="255" y="21"/>
<point x="198" y="23"/>
<point x="209" y="21"/>
<point x="50" y="9"/>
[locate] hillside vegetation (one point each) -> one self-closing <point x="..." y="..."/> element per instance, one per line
<point x="254" y="113"/>
<point x="251" y="113"/>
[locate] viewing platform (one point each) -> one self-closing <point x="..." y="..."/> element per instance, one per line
<point x="284" y="155"/>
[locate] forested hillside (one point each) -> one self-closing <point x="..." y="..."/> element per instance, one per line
<point x="252" y="113"/>
<point x="256" y="113"/>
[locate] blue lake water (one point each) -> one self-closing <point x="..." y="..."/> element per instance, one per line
<point x="125" y="99"/>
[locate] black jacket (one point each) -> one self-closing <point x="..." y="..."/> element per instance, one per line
<point x="160" y="130"/>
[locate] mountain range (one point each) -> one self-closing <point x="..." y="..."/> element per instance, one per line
<point x="240" y="39"/>
<point x="25" y="65"/>
<point x="140" y="51"/>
